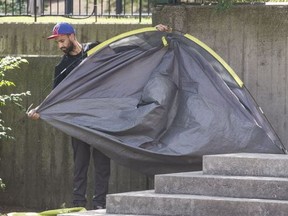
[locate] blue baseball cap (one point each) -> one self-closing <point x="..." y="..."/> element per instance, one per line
<point x="61" y="28"/>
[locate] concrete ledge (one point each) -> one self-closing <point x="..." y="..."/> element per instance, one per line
<point x="85" y="213"/>
<point x="248" y="164"/>
<point x="150" y="203"/>
<point x="225" y="186"/>
<point x="94" y="212"/>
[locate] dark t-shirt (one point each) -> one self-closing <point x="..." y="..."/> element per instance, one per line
<point x="69" y="62"/>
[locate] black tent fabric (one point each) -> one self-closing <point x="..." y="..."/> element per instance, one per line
<point x="157" y="102"/>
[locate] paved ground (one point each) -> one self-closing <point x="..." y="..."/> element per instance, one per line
<point x="7" y="209"/>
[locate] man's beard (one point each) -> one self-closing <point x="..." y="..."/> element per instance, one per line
<point x="68" y="49"/>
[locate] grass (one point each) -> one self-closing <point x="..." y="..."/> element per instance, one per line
<point x="74" y="20"/>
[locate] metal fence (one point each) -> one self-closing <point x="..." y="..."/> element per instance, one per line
<point x="88" y="8"/>
<point x="76" y="8"/>
<point x="85" y="8"/>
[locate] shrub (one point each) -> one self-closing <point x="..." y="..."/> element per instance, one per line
<point x="6" y="64"/>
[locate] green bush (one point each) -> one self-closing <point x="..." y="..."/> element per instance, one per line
<point x="7" y="64"/>
<point x="2" y="185"/>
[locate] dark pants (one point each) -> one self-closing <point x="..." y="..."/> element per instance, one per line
<point x="101" y="162"/>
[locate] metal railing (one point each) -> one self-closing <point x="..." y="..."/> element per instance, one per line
<point x="88" y="8"/>
<point x="77" y="8"/>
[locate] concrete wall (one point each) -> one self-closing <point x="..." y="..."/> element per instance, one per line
<point x="37" y="165"/>
<point x="30" y="39"/>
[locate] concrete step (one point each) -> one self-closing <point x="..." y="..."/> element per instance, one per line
<point x="231" y="184"/>
<point x="197" y="183"/>
<point x="86" y="213"/>
<point x="246" y="164"/>
<point x="151" y="203"/>
<point x="94" y="213"/>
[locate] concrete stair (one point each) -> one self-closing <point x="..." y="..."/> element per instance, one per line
<point x="231" y="184"/>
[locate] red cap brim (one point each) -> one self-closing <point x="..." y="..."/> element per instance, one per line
<point x="53" y="36"/>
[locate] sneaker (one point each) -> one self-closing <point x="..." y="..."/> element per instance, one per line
<point x="98" y="207"/>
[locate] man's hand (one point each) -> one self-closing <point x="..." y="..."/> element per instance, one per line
<point x="161" y="27"/>
<point x="33" y="114"/>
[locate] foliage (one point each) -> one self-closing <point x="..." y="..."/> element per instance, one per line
<point x="6" y="64"/>
<point x="221" y="5"/>
<point x="2" y="185"/>
<point x="226" y="4"/>
<point x="13" y="7"/>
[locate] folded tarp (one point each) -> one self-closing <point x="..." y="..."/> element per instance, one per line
<point x="157" y="102"/>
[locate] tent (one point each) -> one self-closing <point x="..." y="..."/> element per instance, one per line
<point x="157" y="102"/>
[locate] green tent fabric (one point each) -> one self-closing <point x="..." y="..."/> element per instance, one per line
<point x="157" y="102"/>
<point x="53" y="212"/>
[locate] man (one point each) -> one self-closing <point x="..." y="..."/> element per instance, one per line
<point x="74" y="52"/>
